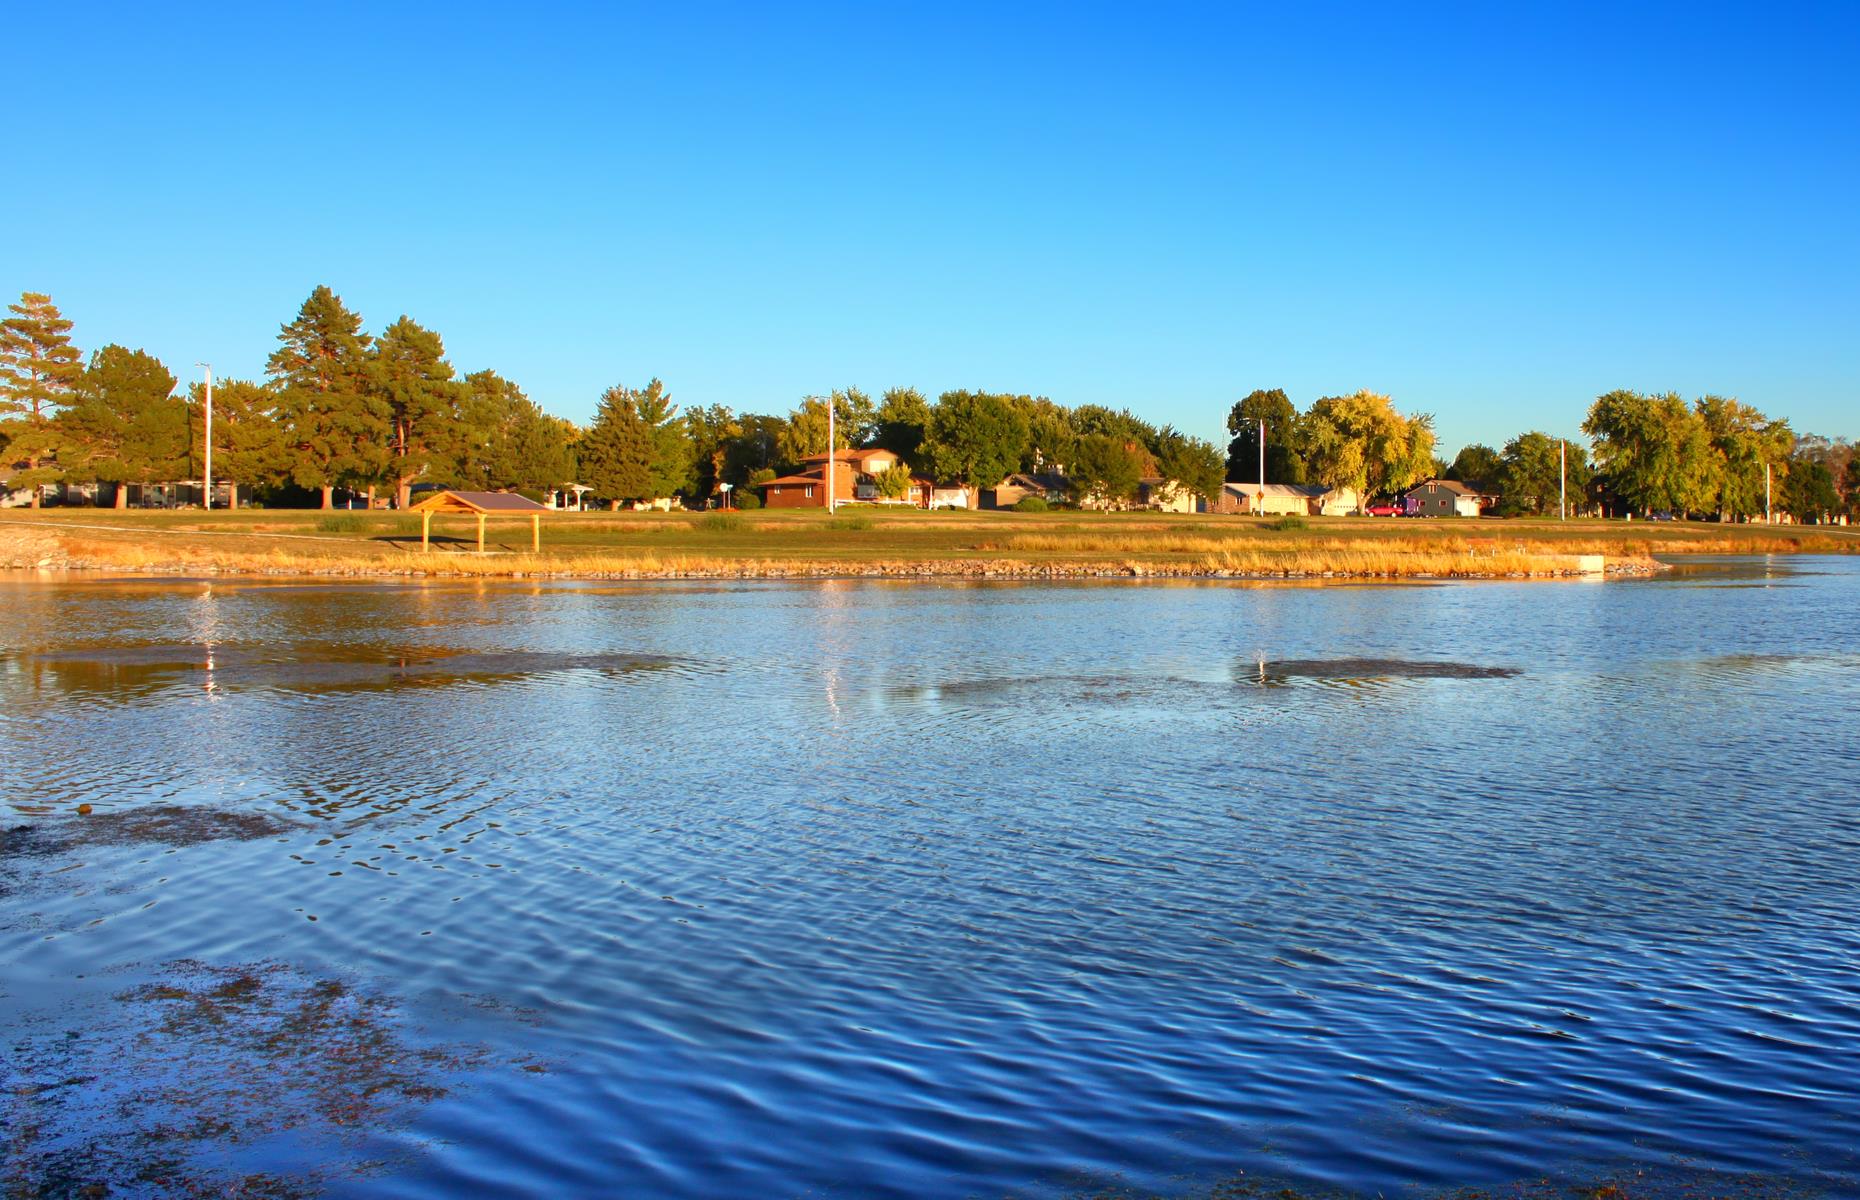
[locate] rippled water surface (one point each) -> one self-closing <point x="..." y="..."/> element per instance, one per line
<point x="915" y="890"/>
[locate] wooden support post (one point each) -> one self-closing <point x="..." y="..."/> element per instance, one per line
<point x="426" y="528"/>
<point x="535" y="533"/>
<point x="481" y="533"/>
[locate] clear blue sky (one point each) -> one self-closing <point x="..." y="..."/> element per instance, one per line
<point x="1490" y="212"/>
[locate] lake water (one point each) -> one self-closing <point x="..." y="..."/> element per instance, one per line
<point x="866" y="889"/>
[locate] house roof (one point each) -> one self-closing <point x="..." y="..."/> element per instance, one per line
<point x="849" y="455"/>
<point x="1448" y="485"/>
<point x="1283" y="491"/>
<point x="793" y="479"/>
<point x="479" y="502"/>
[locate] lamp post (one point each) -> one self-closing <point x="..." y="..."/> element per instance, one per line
<point x="831" y="507"/>
<point x="207" y="462"/>
<point x="1562" y="481"/>
<point x="1262" y="468"/>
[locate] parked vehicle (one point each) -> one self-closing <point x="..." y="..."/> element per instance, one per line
<point x="1384" y="510"/>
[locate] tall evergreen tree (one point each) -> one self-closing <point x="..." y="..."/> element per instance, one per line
<point x="616" y="450"/>
<point x="410" y="375"/>
<point x="39" y="371"/>
<point x="671" y="462"/>
<point x="335" y="427"/>
<point x="125" y="424"/>
<point x="248" y="446"/>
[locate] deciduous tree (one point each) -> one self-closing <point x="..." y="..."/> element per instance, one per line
<point x="1530" y="477"/>
<point x="975" y="438"/>
<point x="902" y="422"/>
<point x="1284" y="464"/>
<point x="1106" y="470"/>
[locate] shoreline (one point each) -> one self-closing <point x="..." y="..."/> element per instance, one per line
<point x="973" y="546"/>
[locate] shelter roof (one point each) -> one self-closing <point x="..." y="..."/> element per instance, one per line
<point x="479" y="502"/>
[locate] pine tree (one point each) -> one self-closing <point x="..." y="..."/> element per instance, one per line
<point x="125" y="424"/>
<point x="411" y="376"/>
<point x="248" y="446"/>
<point x="335" y="426"/>
<point x="616" y="451"/>
<point x="39" y="370"/>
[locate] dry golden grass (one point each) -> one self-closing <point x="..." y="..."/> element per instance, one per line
<point x="795" y="544"/>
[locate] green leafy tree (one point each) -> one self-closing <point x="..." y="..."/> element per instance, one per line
<point x="1477" y="466"/>
<point x="757" y="448"/>
<point x="335" y="426"/>
<point x="902" y="422"/>
<point x="975" y="438"/>
<point x="1190" y="463"/>
<point x="1654" y="452"/>
<point x="410" y="377"/>
<point x="1808" y="494"/>
<point x="1529" y="480"/>
<point x="39" y="372"/>
<point x="1850" y="488"/>
<point x="1106" y="470"/>
<point x="125" y="424"/>
<point x="1284" y="464"/>
<point x="1052" y="438"/>
<point x="855" y="422"/>
<point x="616" y="450"/>
<point x="894" y="483"/>
<point x="1360" y="442"/>
<point x="506" y="441"/>
<point x="1745" y="444"/>
<point x="712" y="430"/>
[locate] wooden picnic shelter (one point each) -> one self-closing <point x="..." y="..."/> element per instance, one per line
<point x="480" y="505"/>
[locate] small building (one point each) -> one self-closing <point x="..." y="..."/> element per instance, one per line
<point x="1442" y="498"/>
<point x="855" y="478"/>
<point x="953" y="495"/>
<point x="1286" y="500"/>
<point x="1018" y="486"/>
<point x="480" y="505"/>
<point x="1166" y="495"/>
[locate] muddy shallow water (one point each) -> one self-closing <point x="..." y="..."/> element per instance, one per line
<point x="869" y="889"/>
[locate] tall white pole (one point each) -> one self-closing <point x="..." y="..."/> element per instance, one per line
<point x="207" y="466"/>
<point x="1562" y="481"/>
<point x="830" y="455"/>
<point x="1768" y="519"/>
<point x="1262" y="465"/>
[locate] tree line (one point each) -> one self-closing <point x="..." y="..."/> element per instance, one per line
<point x="1647" y="454"/>
<point x="342" y="409"/>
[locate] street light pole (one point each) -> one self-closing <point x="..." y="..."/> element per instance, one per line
<point x="1562" y="480"/>
<point x="1262" y="466"/>
<point x="831" y="507"/>
<point x="207" y="463"/>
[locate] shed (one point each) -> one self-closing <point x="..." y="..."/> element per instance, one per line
<point x="480" y="505"/>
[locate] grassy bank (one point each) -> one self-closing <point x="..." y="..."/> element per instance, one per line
<point x="865" y="542"/>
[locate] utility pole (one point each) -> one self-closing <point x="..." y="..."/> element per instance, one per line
<point x="1768" y="517"/>
<point x="1562" y="480"/>
<point x="830" y="455"/>
<point x="1260" y="507"/>
<point x="207" y="465"/>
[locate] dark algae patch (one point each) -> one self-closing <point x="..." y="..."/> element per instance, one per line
<point x="1352" y="670"/>
<point x="131" y="669"/>
<point x="206" y="1071"/>
<point x="150" y="824"/>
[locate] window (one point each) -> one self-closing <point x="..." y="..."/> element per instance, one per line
<point x="810" y="492"/>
